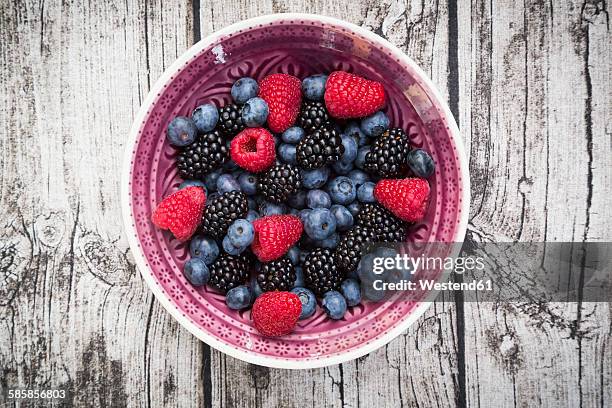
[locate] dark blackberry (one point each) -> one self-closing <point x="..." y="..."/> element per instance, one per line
<point x="230" y="120"/>
<point x="348" y="251"/>
<point x="280" y="182"/>
<point x="319" y="148"/>
<point x="320" y="272"/>
<point x="387" y="226"/>
<point x="221" y="211"/>
<point x="389" y="154"/>
<point x="206" y="154"/>
<point x="276" y="275"/>
<point x="229" y="271"/>
<point x="313" y="116"/>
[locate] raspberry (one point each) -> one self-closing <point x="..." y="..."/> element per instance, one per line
<point x="274" y="235"/>
<point x="253" y="149"/>
<point x="181" y="212"/>
<point x="276" y="313"/>
<point x="405" y="198"/>
<point x="351" y="96"/>
<point x="283" y="94"/>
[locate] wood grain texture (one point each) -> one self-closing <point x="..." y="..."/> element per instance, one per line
<point x="529" y="85"/>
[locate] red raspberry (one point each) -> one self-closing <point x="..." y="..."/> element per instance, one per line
<point x="351" y="96"/>
<point x="274" y="235"/>
<point x="276" y="313"/>
<point x="406" y="198"/>
<point x="253" y="149"/>
<point x="283" y="94"/>
<point x="181" y="212"/>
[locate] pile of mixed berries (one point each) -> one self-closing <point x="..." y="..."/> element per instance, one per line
<point x="284" y="186"/>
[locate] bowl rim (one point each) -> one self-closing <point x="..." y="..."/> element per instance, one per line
<point x="130" y="229"/>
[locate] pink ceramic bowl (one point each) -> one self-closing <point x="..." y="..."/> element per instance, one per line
<point x="298" y="44"/>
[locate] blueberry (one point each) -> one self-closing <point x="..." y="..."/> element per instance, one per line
<point x="255" y="288"/>
<point x="237" y="173"/>
<point x="248" y="183"/>
<point x="276" y="139"/>
<point x="196" y="272"/>
<point x="266" y="208"/>
<point x="353" y="130"/>
<point x="211" y="180"/>
<point x="287" y="153"/>
<point x="315" y="178"/>
<point x="361" y="155"/>
<point x="192" y="183"/>
<point x="334" y="304"/>
<point x="350" y="149"/>
<point x="212" y="196"/>
<point x="299" y="276"/>
<point x="252" y="203"/>
<point x="329" y="242"/>
<point x="354" y="208"/>
<point x="181" y="131"/>
<point x="252" y="215"/>
<point x="421" y="163"/>
<point x="342" y="190"/>
<point x="226" y="183"/>
<point x="359" y="177"/>
<point x="304" y="214"/>
<point x="342" y="168"/>
<point x="204" y="248"/>
<point x="241" y="233"/>
<point x="303" y="256"/>
<point x="351" y="292"/>
<point x="205" y="117"/>
<point x="294" y="255"/>
<point x="239" y="297"/>
<point x="308" y="299"/>
<point x="318" y="199"/>
<point x="293" y="211"/>
<point x="230" y="164"/>
<point x="244" y="89"/>
<point x="230" y="248"/>
<point x="372" y="294"/>
<point x="297" y="200"/>
<point x="293" y="135"/>
<point x="365" y="192"/>
<point x="344" y="218"/>
<point x="320" y="224"/>
<point x="255" y="112"/>
<point x="313" y="87"/>
<point x="375" y="124"/>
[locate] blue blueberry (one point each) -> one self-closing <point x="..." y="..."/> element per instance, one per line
<point x="252" y="215"/>
<point x="294" y="255"/>
<point x="252" y="203"/>
<point x="297" y="200"/>
<point x="255" y="112"/>
<point x="205" y="117"/>
<point x="350" y="149"/>
<point x="255" y="288"/>
<point x="329" y="242"/>
<point x="266" y="208"/>
<point x="241" y="233"/>
<point x="361" y="155"/>
<point x="181" y="131"/>
<point x="227" y="183"/>
<point x="372" y="294"/>
<point x="344" y="218"/>
<point x="421" y="163"/>
<point x="304" y="214"/>
<point x="204" y="248"/>
<point x="276" y="139"/>
<point x="351" y="291"/>
<point x="315" y="178"/>
<point x="318" y="199"/>
<point x="213" y="196"/>
<point x="365" y="192"/>
<point x="239" y="297"/>
<point x="293" y="135"/>
<point x="210" y="180"/>
<point x="248" y="183"/>
<point x="308" y="299"/>
<point x="313" y="87"/>
<point x="237" y="173"/>
<point x="342" y="168"/>
<point x="196" y="272"/>
<point x="299" y="276"/>
<point x="354" y="208"/>
<point x="353" y="130"/>
<point x="192" y="183"/>
<point x="230" y="164"/>
<point x="375" y="124"/>
<point x="303" y="256"/>
<point x="294" y="211"/>
<point x="342" y="190"/>
<point x="334" y="304"/>
<point x="359" y="177"/>
<point x="287" y="153"/>
<point x="230" y="248"/>
<point x="320" y="224"/>
<point x="244" y="89"/>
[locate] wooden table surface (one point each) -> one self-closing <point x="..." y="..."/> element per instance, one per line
<point x="529" y="85"/>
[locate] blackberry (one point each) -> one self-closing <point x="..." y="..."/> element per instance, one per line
<point x="280" y="182"/>
<point x="313" y="116"/>
<point x="276" y="275"/>
<point x="206" y="154"/>
<point x="387" y="226"/>
<point x="319" y="148"/>
<point x="230" y="120"/>
<point x="348" y="251"/>
<point x="221" y="211"/>
<point x="229" y="271"/>
<point x="320" y="272"/>
<point x="389" y="154"/>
